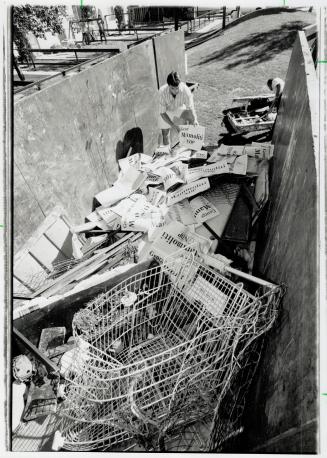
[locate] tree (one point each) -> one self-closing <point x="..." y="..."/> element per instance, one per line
<point x="35" y="19"/>
<point x="88" y="12"/>
<point x="119" y="13"/>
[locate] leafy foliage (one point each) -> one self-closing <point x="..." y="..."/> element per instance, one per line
<point x="119" y="13"/>
<point x="87" y="12"/>
<point x="35" y="19"/>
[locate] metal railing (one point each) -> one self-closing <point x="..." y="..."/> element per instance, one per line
<point x="200" y="21"/>
<point x="64" y="72"/>
<point x="30" y="51"/>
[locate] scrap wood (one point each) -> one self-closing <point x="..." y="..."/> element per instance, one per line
<point x="99" y="267"/>
<point x="113" y="263"/>
<point x="34" y="435"/>
<point x="41" y="400"/>
<point x="250" y="197"/>
<point x="95" y="232"/>
<point x="90" y="247"/>
<point x="60" y="349"/>
<point x="84" y="227"/>
<point x="253" y="97"/>
<point x="70" y="275"/>
<point x="238" y="225"/>
<point x="39" y="354"/>
<point x="51" y="338"/>
<point x="90" y="266"/>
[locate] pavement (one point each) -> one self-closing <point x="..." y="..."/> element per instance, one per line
<point x="214" y="25"/>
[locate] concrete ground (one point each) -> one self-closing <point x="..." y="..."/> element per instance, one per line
<point x="239" y="61"/>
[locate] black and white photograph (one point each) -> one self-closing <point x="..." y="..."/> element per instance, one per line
<point x="163" y="227"/>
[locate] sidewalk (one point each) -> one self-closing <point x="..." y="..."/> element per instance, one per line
<point x="214" y="25"/>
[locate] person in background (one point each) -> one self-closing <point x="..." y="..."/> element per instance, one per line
<point x="176" y="106"/>
<point x="276" y="85"/>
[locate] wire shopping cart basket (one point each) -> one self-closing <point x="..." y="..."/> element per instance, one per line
<point x="157" y="353"/>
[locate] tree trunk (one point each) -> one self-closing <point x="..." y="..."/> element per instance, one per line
<point x="16" y="67"/>
<point x="224" y="17"/>
<point x="176" y="18"/>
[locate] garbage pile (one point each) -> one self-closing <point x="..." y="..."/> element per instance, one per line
<point x="256" y="114"/>
<point x="163" y="349"/>
<point x="187" y="195"/>
<point x="209" y="196"/>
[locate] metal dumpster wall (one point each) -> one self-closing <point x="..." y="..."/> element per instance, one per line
<point x="281" y="415"/>
<point x="69" y="136"/>
<point x="168" y="61"/>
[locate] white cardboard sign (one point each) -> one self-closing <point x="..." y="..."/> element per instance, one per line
<point x="169" y="177"/>
<point x="227" y="150"/>
<point x="174" y="237"/>
<point x="153" y="179"/>
<point x="192" y="136"/>
<point x="188" y="190"/>
<point x="182" y="212"/>
<point x="216" y="168"/>
<point x="260" y="151"/>
<point x="211" y="298"/>
<point x="128" y="182"/>
<point x="156" y="196"/>
<point x="161" y="151"/>
<point x="203" y="209"/>
<point x="239" y="166"/>
<point x="130" y="161"/>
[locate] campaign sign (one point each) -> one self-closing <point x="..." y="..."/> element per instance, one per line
<point x="191" y="136"/>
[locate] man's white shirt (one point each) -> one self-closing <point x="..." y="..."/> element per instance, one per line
<point x="275" y="83"/>
<point x="169" y="103"/>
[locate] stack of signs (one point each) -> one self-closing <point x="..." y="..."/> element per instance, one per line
<point x="169" y="189"/>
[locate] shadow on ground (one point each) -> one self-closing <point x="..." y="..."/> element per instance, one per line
<point x="258" y="47"/>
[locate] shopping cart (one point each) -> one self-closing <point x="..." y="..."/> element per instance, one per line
<point x="157" y="353"/>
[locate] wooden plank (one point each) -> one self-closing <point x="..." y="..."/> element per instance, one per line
<point x="60" y="235"/>
<point x="35" y="435"/>
<point x="41" y="400"/>
<point x="41" y="356"/>
<point x="53" y="352"/>
<point x="46" y="224"/>
<point x="45" y="252"/>
<point x="91" y="269"/>
<point x="19" y="287"/>
<point x="51" y="338"/>
<point x="27" y="268"/>
<point x="62" y="309"/>
<point x="55" y="286"/>
<point x="75" y="269"/>
<point x="253" y="97"/>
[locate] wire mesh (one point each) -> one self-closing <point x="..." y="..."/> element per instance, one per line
<point x="157" y="354"/>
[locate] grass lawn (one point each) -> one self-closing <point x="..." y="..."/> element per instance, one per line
<point x="239" y="62"/>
